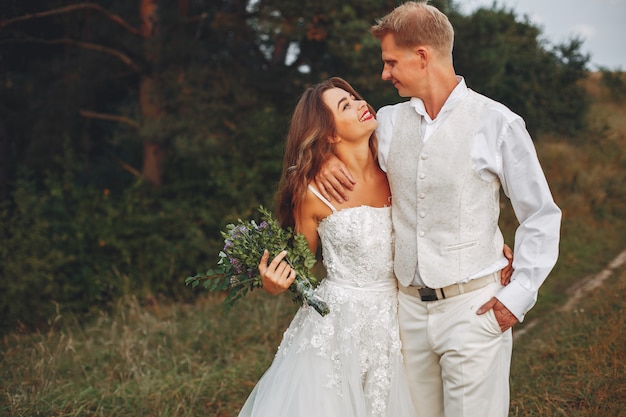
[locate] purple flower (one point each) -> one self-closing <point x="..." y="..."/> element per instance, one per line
<point x="238" y="231"/>
<point x="236" y="264"/>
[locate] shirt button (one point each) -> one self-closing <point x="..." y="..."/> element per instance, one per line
<point x="422" y="176"/>
<point x="422" y="234"/>
<point x="423" y="214"/>
<point x="424" y="157"/>
<point x="422" y="195"/>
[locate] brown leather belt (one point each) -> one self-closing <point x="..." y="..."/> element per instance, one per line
<point x="434" y="294"/>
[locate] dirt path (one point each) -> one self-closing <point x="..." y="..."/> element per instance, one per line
<point x="577" y="291"/>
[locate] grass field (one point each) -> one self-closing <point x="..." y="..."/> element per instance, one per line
<point x="573" y="363"/>
<point x="182" y="360"/>
<point x="157" y="358"/>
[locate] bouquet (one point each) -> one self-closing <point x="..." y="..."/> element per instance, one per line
<point x="237" y="268"/>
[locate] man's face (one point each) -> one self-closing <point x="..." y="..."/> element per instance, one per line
<point x="402" y="66"/>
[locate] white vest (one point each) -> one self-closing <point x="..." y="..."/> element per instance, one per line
<point x="445" y="216"/>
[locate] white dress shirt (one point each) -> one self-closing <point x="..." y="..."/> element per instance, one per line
<point x="502" y="148"/>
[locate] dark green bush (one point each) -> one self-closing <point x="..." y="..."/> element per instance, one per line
<point x="80" y="247"/>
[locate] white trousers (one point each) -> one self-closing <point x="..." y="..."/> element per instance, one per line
<point x="458" y="362"/>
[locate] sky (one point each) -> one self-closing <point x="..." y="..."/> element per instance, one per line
<point x="601" y="24"/>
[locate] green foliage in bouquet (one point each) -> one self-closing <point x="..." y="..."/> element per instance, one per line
<point x="237" y="268"/>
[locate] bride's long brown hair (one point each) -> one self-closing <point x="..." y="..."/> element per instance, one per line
<point x="308" y="147"/>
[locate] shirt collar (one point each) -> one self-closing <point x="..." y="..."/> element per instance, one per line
<point x="453" y="99"/>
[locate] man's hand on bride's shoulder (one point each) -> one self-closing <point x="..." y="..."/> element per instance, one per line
<point x="333" y="180"/>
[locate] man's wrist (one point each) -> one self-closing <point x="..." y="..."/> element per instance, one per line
<point x="517" y="299"/>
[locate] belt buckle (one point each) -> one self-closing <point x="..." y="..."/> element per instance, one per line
<point x="428" y="294"/>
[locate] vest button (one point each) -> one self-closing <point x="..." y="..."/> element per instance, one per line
<point x="422" y="214"/>
<point x="422" y="234"/>
<point x="422" y="195"/>
<point x="424" y="157"/>
<point x="422" y="176"/>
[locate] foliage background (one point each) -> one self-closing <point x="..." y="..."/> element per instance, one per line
<point x="128" y="146"/>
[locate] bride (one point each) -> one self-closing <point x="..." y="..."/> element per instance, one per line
<point x="349" y="362"/>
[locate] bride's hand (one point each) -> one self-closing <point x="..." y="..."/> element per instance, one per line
<point x="278" y="275"/>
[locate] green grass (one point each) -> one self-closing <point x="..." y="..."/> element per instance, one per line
<point x="573" y="363"/>
<point x="189" y="360"/>
<point x="158" y="360"/>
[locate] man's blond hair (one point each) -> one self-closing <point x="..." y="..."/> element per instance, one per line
<point x="417" y="23"/>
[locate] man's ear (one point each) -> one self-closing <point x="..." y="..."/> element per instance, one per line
<point x="423" y="54"/>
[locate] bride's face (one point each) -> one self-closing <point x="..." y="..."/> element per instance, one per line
<point x="353" y="120"/>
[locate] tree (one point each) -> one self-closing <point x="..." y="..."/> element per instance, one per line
<point x="504" y="57"/>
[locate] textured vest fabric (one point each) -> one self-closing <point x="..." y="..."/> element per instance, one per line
<point x="445" y="216"/>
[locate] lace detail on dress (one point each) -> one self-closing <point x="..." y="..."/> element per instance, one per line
<point x="356" y="250"/>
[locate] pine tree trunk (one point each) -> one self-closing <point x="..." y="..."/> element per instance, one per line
<point x="149" y="94"/>
<point x="4" y="162"/>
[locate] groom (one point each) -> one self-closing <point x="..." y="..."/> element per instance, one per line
<point x="447" y="152"/>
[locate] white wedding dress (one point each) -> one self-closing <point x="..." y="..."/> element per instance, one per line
<point x="348" y="363"/>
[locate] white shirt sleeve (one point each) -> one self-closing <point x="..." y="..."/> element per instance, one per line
<point x="384" y="132"/>
<point x="537" y="237"/>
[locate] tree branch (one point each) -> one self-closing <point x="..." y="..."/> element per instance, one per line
<point x="72" y="7"/>
<point x="110" y="117"/>
<point x="126" y="167"/>
<point x="85" y="45"/>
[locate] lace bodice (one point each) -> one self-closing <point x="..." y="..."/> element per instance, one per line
<point x="356" y="245"/>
